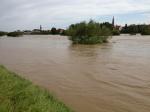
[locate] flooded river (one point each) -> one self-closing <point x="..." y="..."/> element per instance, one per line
<point x="113" y="77"/>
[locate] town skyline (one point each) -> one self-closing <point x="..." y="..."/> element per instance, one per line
<point x="25" y="14"/>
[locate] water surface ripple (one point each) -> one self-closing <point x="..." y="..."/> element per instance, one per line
<point x="113" y="77"/>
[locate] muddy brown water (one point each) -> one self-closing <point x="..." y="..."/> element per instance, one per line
<point x="113" y="77"/>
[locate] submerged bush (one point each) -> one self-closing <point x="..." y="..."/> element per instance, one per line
<point x="88" y="33"/>
<point x="2" y="33"/>
<point x="15" y="34"/>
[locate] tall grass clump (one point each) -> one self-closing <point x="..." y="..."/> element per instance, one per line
<point x="20" y="95"/>
<point x="88" y="33"/>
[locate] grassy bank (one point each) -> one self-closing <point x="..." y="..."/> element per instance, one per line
<point x="20" y="95"/>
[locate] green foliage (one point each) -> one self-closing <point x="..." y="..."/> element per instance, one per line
<point x="20" y="95"/>
<point x="115" y="32"/>
<point x="2" y="33"/>
<point x="15" y="34"/>
<point x="63" y="33"/>
<point x="134" y="29"/>
<point x="54" y="31"/>
<point x="107" y="25"/>
<point x="88" y="33"/>
<point x="146" y="30"/>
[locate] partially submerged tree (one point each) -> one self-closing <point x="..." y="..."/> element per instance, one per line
<point x="88" y="33"/>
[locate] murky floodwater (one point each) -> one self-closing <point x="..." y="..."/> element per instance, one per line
<point x="113" y="77"/>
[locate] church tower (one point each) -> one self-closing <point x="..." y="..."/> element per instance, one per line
<point x="40" y="27"/>
<point x="113" y="22"/>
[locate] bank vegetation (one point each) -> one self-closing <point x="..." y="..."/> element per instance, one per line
<point x="88" y="33"/>
<point x="20" y="95"/>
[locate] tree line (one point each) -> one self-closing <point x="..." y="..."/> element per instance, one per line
<point x="134" y="29"/>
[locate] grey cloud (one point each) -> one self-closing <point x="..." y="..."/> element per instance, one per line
<point x="28" y="14"/>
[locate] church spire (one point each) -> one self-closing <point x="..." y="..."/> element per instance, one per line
<point x="113" y="21"/>
<point x="40" y="27"/>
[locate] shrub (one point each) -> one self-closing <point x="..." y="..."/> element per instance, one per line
<point x="53" y="31"/>
<point x="15" y="34"/>
<point x="88" y="33"/>
<point x="2" y="33"/>
<point x="115" y="32"/>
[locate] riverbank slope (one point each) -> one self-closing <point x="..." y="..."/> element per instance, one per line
<point x="20" y="95"/>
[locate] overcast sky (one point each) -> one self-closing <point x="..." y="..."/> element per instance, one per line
<point x="30" y="14"/>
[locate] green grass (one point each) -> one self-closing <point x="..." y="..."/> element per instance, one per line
<point x="20" y="95"/>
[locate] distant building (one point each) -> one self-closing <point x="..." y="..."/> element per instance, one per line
<point x="27" y="32"/>
<point x="18" y="31"/>
<point x="118" y="27"/>
<point x="36" y="30"/>
<point x="60" y="31"/>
